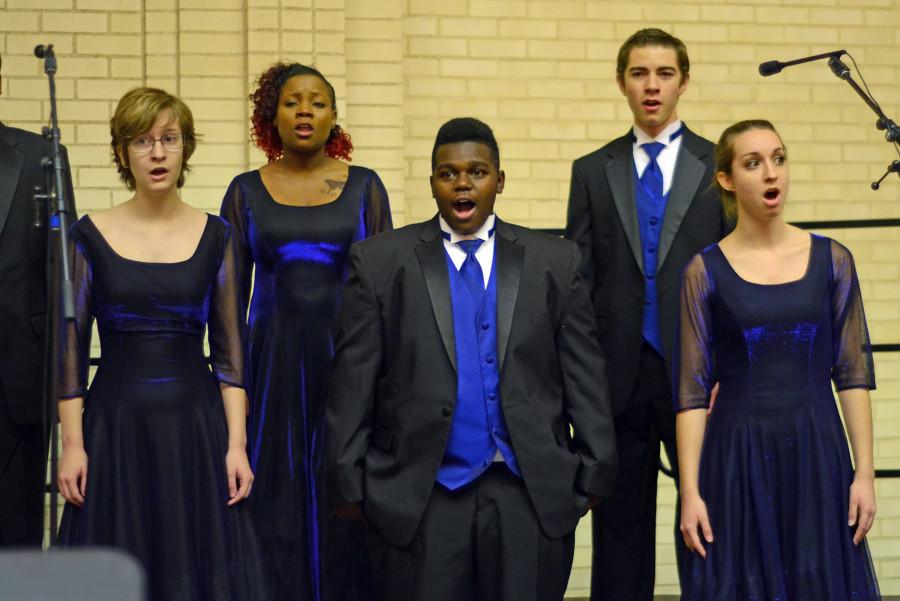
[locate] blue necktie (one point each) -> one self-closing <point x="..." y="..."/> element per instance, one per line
<point x="652" y="178"/>
<point x="470" y="270"/>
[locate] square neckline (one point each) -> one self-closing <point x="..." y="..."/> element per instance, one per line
<point x="806" y="271"/>
<point x="138" y="261"/>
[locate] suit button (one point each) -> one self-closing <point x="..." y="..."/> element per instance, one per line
<point x="489" y="360"/>
<point x="484" y="326"/>
<point x="445" y="411"/>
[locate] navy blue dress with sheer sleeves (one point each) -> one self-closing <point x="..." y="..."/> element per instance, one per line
<point x="775" y="469"/>
<point x="155" y="430"/>
<point x="299" y="256"/>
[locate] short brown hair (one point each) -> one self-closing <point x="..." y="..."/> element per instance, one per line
<point x="652" y="37"/>
<point x="135" y="114"/>
<point x="724" y="156"/>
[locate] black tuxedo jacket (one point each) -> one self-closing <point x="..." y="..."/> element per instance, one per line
<point x="393" y="388"/>
<point x="602" y="220"/>
<point x="23" y="291"/>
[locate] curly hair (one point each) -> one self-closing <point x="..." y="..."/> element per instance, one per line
<point x="265" y="106"/>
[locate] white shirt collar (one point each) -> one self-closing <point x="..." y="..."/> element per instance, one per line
<point x="483" y="232"/>
<point x="641" y="137"/>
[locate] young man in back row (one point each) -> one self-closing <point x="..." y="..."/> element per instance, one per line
<point x="466" y="358"/>
<point x="639" y="209"/>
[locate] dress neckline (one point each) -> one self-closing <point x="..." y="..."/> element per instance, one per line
<point x="350" y="174"/>
<point x="809" y="260"/>
<point x="139" y="262"/>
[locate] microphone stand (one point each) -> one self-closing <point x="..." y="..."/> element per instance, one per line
<point x="891" y="130"/>
<point x="51" y="201"/>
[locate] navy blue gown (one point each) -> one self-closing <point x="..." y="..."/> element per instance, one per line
<point x="775" y="469"/>
<point x="299" y="256"/>
<point x="154" y="424"/>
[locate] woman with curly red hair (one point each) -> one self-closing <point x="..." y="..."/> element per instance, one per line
<point x="294" y="221"/>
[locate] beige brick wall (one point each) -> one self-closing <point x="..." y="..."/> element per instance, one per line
<point x="540" y="72"/>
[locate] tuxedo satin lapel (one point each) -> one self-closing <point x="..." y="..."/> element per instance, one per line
<point x="686" y="183"/>
<point x="510" y="257"/>
<point x="433" y="260"/>
<point x="12" y="161"/>
<point x="621" y="184"/>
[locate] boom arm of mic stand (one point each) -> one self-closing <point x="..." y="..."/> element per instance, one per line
<point x="892" y="133"/>
<point x="894" y="167"/>
<point x="843" y="72"/>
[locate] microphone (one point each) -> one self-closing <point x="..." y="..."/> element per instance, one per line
<point x="772" y="67"/>
<point x="41" y="51"/>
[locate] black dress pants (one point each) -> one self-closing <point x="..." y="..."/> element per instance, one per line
<point x="23" y="465"/>
<point x="481" y="542"/>
<point x="624" y="525"/>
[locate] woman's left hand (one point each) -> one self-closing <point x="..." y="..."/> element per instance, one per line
<point x="240" y="476"/>
<point x="862" y="507"/>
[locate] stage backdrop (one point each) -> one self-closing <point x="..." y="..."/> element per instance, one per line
<point x="541" y="73"/>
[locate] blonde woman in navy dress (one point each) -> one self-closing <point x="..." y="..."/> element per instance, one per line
<point x="154" y="457"/>
<point x="772" y="507"/>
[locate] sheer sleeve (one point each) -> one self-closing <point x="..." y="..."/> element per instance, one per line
<point x="75" y="337"/>
<point x="226" y="327"/>
<point x="693" y="362"/>
<point x="377" y="208"/>
<point x="852" y="365"/>
<point x="234" y="211"/>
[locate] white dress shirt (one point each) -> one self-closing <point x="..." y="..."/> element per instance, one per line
<point x="485" y="252"/>
<point x="667" y="156"/>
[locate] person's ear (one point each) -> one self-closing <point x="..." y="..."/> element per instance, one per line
<point x="685" y="79"/>
<point x="725" y="181"/>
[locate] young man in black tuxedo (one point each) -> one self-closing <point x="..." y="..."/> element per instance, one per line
<point x="23" y="324"/>
<point x="639" y="209"/>
<point x="467" y="422"/>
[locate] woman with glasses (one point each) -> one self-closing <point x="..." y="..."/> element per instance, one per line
<point x="154" y="459"/>
<point x="294" y="221"/>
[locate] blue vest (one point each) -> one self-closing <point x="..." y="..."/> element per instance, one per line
<point x="478" y="429"/>
<point x="650" y="211"/>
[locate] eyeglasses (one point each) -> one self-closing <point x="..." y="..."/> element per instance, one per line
<point x="145" y="144"/>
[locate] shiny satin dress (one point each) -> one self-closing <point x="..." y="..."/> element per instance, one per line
<point x="155" y="430"/>
<point x="299" y="256"/>
<point x="775" y="469"/>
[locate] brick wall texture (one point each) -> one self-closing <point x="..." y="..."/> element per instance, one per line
<point x="541" y="73"/>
